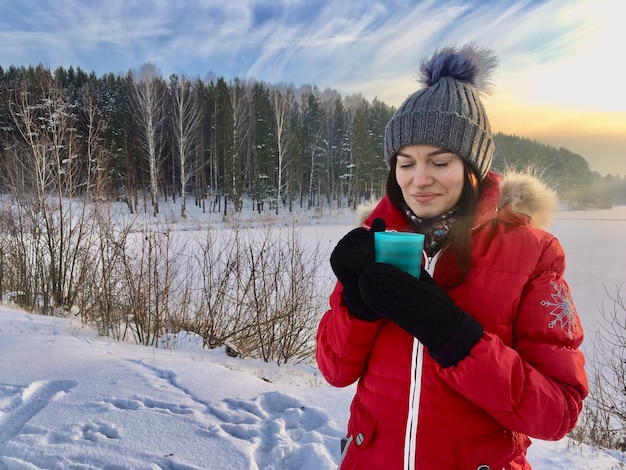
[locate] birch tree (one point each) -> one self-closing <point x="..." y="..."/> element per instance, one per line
<point x="148" y="106"/>
<point x="186" y="124"/>
<point x="281" y="106"/>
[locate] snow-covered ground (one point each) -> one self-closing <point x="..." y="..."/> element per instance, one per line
<point x="70" y="399"/>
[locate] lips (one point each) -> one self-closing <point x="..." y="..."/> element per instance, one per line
<point x="423" y="197"/>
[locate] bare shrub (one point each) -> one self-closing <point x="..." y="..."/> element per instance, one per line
<point x="136" y="289"/>
<point x="103" y="302"/>
<point x="283" y="299"/>
<point x="16" y="259"/>
<point x="217" y="266"/>
<point x="261" y="293"/>
<point x="151" y="268"/>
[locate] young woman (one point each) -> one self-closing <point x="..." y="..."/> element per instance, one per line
<point x="458" y="367"/>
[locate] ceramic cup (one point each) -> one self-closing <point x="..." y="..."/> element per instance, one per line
<point x="400" y="249"/>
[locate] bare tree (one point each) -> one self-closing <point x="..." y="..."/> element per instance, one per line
<point x="281" y="105"/>
<point x="186" y="118"/>
<point x="148" y="106"/>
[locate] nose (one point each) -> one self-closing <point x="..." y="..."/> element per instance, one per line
<point x="422" y="176"/>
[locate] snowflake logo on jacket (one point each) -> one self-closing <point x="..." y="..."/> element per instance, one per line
<point x="563" y="309"/>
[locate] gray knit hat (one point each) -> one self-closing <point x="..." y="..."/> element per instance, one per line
<point x="448" y="112"/>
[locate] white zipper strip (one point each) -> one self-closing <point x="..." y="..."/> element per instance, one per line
<point x="415" y="391"/>
<point x="410" y="436"/>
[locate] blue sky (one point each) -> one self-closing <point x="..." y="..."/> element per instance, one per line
<point x="557" y="81"/>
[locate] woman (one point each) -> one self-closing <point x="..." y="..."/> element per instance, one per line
<point x="458" y="367"/>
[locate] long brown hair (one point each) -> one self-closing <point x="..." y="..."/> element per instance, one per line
<point x="457" y="246"/>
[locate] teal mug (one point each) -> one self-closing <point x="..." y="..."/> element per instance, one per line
<point x="400" y="249"/>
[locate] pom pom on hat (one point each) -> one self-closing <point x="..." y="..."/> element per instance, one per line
<point x="448" y="112"/>
<point x="469" y="64"/>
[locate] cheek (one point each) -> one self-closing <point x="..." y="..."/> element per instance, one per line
<point x="455" y="185"/>
<point x="403" y="181"/>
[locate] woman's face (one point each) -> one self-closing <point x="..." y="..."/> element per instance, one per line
<point x="431" y="179"/>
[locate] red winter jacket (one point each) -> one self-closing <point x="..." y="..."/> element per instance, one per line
<point x="525" y="376"/>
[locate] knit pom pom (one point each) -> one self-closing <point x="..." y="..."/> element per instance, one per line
<point x="469" y="64"/>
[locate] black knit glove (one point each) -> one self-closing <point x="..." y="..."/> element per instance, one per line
<point x="421" y="308"/>
<point x="351" y="255"/>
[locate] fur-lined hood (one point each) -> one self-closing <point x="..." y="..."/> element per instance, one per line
<point x="522" y="193"/>
<point x="527" y="195"/>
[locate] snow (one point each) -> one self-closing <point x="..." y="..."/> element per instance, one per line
<point x="70" y="399"/>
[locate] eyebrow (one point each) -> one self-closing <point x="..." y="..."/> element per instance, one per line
<point x="430" y="154"/>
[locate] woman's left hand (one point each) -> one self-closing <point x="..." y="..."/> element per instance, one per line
<point x="423" y="309"/>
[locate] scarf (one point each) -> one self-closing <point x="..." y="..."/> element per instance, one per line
<point x="434" y="229"/>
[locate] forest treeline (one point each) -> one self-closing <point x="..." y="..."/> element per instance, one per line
<point x="141" y="138"/>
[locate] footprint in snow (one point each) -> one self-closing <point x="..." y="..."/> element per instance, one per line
<point x="285" y="433"/>
<point x="94" y="432"/>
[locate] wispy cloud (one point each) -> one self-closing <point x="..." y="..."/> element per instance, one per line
<point x="351" y="45"/>
<point x="553" y="53"/>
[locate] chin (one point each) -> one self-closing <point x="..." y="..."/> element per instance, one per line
<point x="425" y="212"/>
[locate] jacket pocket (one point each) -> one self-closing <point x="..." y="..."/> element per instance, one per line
<point x="362" y="425"/>
<point x="493" y="451"/>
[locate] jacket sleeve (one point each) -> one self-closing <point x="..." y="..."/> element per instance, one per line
<point x="536" y="386"/>
<point x="343" y="342"/>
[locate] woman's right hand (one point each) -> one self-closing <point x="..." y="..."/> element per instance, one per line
<point x="353" y="253"/>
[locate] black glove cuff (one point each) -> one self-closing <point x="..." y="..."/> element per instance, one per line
<point x="460" y="343"/>
<point x="356" y="305"/>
